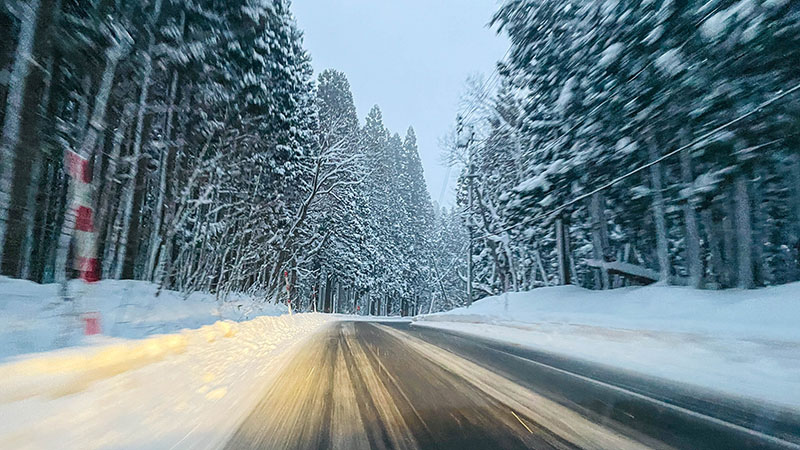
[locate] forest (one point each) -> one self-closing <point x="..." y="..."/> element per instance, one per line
<point x="216" y="162"/>
<point x="661" y="135"/>
<point x="211" y="236"/>
<point x="616" y="143"/>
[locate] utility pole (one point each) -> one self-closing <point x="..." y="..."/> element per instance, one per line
<point x="469" y="229"/>
<point x="562" y="251"/>
<point x="464" y="139"/>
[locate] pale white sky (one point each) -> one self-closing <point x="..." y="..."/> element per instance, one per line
<point x="411" y="57"/>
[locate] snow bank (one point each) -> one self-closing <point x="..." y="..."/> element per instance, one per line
<point x="67" y="372"/>
<point x="773" y="312"/>
<point x="743" y="343"/>
<point x="183" y="390"/>
<point x="35" y="318"/>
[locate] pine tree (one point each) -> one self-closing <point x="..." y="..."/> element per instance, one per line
<point x="610" y="87"/>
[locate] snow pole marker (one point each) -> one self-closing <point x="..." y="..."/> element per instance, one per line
<point x="86" y="261"/>
<point x="85" y="236"/>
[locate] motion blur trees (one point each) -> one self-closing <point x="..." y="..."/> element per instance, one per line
<point x="217" y="163"/>
<point x="591" y="90"/>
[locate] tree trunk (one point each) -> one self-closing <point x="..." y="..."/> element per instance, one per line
<point x="165" y="252"/>
<point x="337" y="297"/>
<point x="597" y="211"/>
<point x="12" y="119"/>
<point x="158" y="213"/>
<point x="540" y="265"/>
<point x="105" y="210"/>
<point x="54" y="203"/>
<point x="794" y="178"/>
<point x="714" y="246"/>
<point x="762" y="275"/>
<point x="659" y="215"/>
<point x="37" y="165"/>
<point x="132" y="255"/>
<point x="328" y="303"/>
<point x="744" y="234"/>
<point x="693" y="261"/>
<point x="562" y="251"/>
<point x="129" y="190"/>
<point x="110" y="240"/>
<point x="728" y="241"/>
<point x="29" y="217"/>
<point x="43" y="234"/>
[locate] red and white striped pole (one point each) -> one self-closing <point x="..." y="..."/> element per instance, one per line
<point x="86" y="261"/>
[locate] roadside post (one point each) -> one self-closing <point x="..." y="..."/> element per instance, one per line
<point x="85" y="237"/>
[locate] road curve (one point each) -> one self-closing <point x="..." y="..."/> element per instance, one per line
<point x="361" y="385"/>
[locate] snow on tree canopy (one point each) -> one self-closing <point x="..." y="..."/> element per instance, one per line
<point x="715" y="26"/>
<point x="464" y="137"/>
<point x="654" y="35"/>
<point x="670" y="62"/>
<point x="565" y="96"/>
<point x="775" y="4"/>
<point x="610" y="55"/>
<point x="680" y="70"/>
<point x="626" y="145"/>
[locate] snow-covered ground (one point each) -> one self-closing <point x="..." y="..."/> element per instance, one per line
<point x="743" y="343"/>
<point x="183" y="390"/>
<point x="35" y="317"/>
<point x="149" y="381"/>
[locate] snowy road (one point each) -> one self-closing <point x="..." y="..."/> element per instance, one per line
<point x="371" y="385"/>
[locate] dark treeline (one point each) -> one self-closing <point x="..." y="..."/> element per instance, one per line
<point x="218" y="163"/>
<point x="591" y="90"/>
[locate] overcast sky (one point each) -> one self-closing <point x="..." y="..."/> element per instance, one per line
<point x="411" y="57"/>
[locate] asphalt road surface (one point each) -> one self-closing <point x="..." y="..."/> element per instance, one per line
<point x="360" y="385"/>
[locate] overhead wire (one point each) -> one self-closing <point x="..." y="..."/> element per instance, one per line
<point x="617" y="180"/>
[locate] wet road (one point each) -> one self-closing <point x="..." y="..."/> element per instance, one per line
<point x="360" y="385"/>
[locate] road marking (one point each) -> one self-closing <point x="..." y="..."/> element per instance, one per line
<point x="520" y="421"/>
<point x="773" y="439"/>
<point x="184" y="437"/>
<point x="561" y="423"/>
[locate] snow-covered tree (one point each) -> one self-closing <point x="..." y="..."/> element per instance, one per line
<point x="590" y="91"/>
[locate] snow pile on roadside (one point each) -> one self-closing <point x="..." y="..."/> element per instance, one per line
<point x="35" y="317"/>
<point x="182" y="390"/>
<point x="744" y="343"/>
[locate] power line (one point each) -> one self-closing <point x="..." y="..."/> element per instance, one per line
<point x="445" y="182"/>
<point x="678" y="150"/>
<point x="558" y="210"/>
<point x="485" y="86"/>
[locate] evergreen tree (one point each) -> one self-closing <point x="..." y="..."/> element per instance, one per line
<point x="591" y="90"/>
